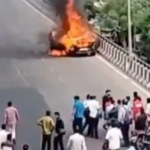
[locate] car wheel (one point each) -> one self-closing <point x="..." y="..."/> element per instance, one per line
<point x="93" y="54"/>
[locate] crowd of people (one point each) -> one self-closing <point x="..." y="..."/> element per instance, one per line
<point x="118" y="116"/>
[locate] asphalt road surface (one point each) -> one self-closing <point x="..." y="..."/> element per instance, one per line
<point x="35" y="83"/>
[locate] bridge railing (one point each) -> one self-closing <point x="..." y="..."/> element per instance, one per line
<point x="134" y="67"/>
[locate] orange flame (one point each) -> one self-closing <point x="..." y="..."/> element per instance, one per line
<point x="78" y="33"/>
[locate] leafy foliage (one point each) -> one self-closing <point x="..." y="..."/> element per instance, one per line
<point x="112" y="16"/>
<point x="116" y="10"/>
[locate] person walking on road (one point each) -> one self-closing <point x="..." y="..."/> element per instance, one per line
<point x="130" y="104"/>
<point x="76" y="141"/>
<point x="60" y="131"/>
<point x="47" y="124"/>
<point x="11" y="119"/>
<point x="78" y="114"/>
<point x="124" y="120"/>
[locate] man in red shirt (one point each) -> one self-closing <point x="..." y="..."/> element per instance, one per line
<point x="137" y="105"/>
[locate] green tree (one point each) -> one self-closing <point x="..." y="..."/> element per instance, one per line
<point x="114" y="16"/>
<point x="111" y="15"/>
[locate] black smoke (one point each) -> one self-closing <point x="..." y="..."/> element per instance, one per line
<point x="60" y="7"/>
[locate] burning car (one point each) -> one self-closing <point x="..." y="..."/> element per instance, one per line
<point x="74" y="36"/>
<point x="59" y="49"/>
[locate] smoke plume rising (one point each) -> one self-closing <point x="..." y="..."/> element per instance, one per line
<point x="60" y="7"/>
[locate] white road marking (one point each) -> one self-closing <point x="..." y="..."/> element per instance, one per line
<point x="112" y="67"/>
<point x="51" y="69"/>
<point x="37" y="11"/>
<point x="123" y="75"/>
<point x="19" y="73"/>
<point x="100" y="58"/>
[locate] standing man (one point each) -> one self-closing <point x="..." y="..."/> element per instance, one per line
<point x="94" y="109"/>
<point x="47" y="125"/>
<point x="78" y="114"/>
<point x="137" y="105"/>
<point x="129" y="103"/>
<point x="60" y="131"/>
<point x="11" y="119"/>
<point x="125" y="121"/>
<point x="76" y="141"/>
<point x="109" y="107"/>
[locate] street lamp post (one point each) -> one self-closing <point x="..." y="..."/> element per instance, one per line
<point x="129" y="29"/>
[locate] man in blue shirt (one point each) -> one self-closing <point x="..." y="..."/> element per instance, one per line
<point x="78" y="114"/>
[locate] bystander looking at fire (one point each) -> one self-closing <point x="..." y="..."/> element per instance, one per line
<point x="47" y="125"/>
<point x="60" y="132"/>
<point x="11" y="119"/>
<point x="78" y="114"/>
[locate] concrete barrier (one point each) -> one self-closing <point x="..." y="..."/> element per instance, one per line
<point x="134" y="67"/>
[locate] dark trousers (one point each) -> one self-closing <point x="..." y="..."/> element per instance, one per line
<point x="86" y="123"/>
<point x="58" y="141"/>
<point x="93" y="127"/>
<point x="77" y="122"/>
<point x="125" y="133"/>
<point x="46" y="141"/>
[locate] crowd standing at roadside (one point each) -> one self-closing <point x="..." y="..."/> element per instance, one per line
<point x="118" y="116"/>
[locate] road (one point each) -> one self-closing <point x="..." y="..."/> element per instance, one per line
<point x="35" y="83"/>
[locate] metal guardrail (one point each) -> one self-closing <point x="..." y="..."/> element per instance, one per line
<point x="135" y="68"/>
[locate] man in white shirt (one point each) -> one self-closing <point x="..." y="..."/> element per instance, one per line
<point x="114" y="137"/>
<point x="122" y="114"/>
<point x="3" y="134"/>
<point x="76" y="141"/>
<point x="94" y="111"/>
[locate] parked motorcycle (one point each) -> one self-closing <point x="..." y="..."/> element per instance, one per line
<point x="141" y="140"/>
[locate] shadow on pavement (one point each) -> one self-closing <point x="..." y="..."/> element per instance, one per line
<point x="31" y="106"/>
<point x="22" y="51"/>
